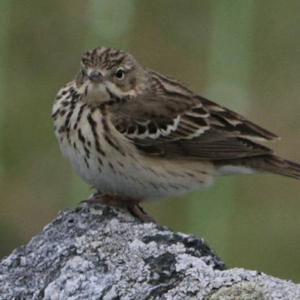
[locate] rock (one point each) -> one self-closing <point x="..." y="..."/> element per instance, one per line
<point x="98" y="252"/>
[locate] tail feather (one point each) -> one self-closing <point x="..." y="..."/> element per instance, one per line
<point x="278" y="165"/>
<point x="268" y="163"/>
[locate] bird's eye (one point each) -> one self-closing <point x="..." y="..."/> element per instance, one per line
<point x="120" y="74"/>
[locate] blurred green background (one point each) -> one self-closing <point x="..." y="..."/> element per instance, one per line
<point x="241" y="53"/>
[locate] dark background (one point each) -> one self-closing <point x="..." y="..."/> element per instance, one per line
<point x="242" y="54"/>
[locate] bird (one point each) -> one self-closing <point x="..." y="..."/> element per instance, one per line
<point x="135" y="135"/>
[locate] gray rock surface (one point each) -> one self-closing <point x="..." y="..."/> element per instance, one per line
<point x="97" y="252"/>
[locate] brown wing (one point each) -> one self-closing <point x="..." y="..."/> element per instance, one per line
<point x="180" y="124"/>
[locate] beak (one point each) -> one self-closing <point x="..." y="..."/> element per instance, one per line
<point x="95" y="76"/>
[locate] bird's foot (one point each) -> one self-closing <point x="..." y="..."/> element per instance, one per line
<point x="131" y="204"/>
<point x="138" y="212"/>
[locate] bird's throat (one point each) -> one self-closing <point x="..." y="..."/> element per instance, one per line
<point x="96" y="93"/>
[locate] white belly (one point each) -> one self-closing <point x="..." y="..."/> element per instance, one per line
<point x="126" y="172"/>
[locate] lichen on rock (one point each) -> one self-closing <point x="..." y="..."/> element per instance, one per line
<point x="98" y="252"/>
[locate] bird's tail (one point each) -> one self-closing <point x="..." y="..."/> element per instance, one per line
<point x="268" y="163"/>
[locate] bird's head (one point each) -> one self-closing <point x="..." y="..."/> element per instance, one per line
<point x="108" y="74"/>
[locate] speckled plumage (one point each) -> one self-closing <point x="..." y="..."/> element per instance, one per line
<point x="133" y="132"/>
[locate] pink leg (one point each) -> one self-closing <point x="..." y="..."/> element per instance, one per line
<point x="114" y="200"/>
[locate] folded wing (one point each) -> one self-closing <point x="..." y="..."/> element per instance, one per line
<point x="183" y="125"/>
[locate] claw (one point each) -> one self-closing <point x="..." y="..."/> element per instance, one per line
<point x="138" y="212"/>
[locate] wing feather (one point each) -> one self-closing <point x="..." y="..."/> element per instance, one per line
<point x="164" y="123"/>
